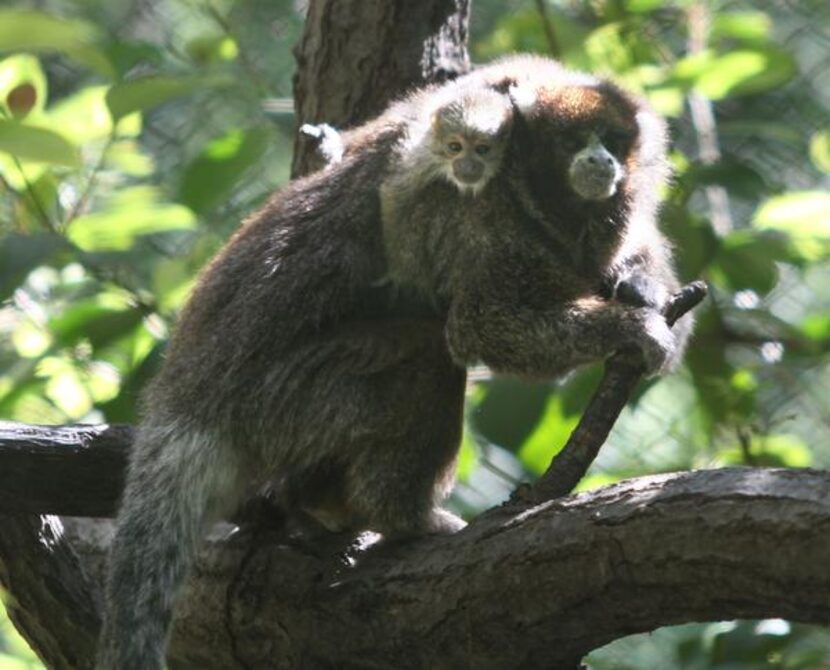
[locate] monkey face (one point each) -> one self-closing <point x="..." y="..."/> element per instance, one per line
<point x="469" y="135"/>
<point x="470" y="161"/>
<point x="594" y="172"/>
<point x="581" y="143"/>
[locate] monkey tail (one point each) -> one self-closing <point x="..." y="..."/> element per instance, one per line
<point x="175" y="478"/>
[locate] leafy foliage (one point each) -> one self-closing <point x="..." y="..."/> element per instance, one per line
<point x="135" y="136"/>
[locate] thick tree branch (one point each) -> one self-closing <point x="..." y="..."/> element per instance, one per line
<point x="68" y="470"/>
<point x="514" y="589"/>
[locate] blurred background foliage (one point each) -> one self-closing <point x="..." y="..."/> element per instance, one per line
<point x="136" y="134"/>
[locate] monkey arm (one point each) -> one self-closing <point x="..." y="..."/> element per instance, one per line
<point x="521" y="339"/>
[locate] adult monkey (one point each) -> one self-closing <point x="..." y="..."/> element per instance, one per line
<point x="290" y="363"/>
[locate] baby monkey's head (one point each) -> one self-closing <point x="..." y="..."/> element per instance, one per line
<point x="469" y="137"/>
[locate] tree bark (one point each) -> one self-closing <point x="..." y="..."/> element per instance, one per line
<point x="531" y="586"/>
<point x="68" y="470"/>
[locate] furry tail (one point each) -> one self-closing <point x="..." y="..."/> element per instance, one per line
<point x="175" y="480"/>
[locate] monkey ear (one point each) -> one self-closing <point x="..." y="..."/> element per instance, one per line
<point x="522" y="97"/>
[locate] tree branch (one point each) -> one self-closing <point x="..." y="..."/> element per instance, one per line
<point x="68" y="470"/>
<point x="513" y="589"/>
<point x="622" y="374"/>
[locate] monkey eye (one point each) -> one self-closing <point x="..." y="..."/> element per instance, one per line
<point x="572" y="143"/>
<point x="482" y="149"/>
<point x="615" y="142"/>
<point x="454" y="147"/>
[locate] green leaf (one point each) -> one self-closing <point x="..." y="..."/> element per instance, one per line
<point x="84" y="116"/>
<point x="20" y="254"/>
<point x="804" y="216"/>
<point x="212" y="48"/>
<point x="132" y="213"/>
<point x="740" y="72"/>
<point x="820" y="150"/>
<point x="779" y="451"/>
<point x="37" y="144"/>
<point x="747" y="260"/>
<point x="468" y="456"/>
<point x="549" y="437"/>
<point x="100" y="324"/>
<point x="643" y="6"/>
<point x="817" y="327"/>
<point x="143" y="94"/>
<point x="737" y="177"/>
<point x="20" y="71"/>
<point x="748" y="27"/>
<point x="25" y="30"/>
<point x="762" y="130"/>
<point x="209" y="178"/>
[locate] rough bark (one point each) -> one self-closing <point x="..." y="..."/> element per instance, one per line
<point x="524" y="586"/>
<point x="69" y="470"/>
<point x="358" y="55"/>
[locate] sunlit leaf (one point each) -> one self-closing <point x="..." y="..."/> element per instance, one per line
<point x="820" y="150"/>
<point x="468" y="457"/>
<point x="25" y="30"/>
<point x="84" y="116"/>
<point x="209" y="178"/>
<point x="140" y="95"/>
<point x="644" y="6"/>
<point x="30" y="340"/>
<point x="37" y="144"/>
<point x="64" y="386"/>
<point x="92" y="320"/>
<point x="608" y="50"/>
<point x="745" y="26"/>
<point x="22" y="70"/>
<point x="817" y="327"/>
<point x="548" y="438"/>
<point x="787" y="451"/>
<point x="739" y="72"/>
<point x="804" y="216"/>
<point x="211" y="48"/>
<point x="133" y="212"/>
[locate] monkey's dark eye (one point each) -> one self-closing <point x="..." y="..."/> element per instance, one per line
<point x="482" y="149"/>
<point x="572" y="143"/>
<point x="616" y="142"/>
<point x="454" y="147"/>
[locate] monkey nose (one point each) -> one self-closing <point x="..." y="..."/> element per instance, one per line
<point x="467" y="171"/>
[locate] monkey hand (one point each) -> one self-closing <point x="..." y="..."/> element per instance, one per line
<point x="640" y="290"/>
<point x="647" y="332"/>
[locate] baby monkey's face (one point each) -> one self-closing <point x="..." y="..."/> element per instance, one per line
<point x="469" y="137"/>
<point x="471" y="160"/>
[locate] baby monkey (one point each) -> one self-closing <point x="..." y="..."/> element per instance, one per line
<point x="454" y="146"/>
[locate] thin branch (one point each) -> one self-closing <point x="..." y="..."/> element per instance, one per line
<point x="547" y="26"/>
<point x="622" y="374"/>
<point x="91" y="182"/>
